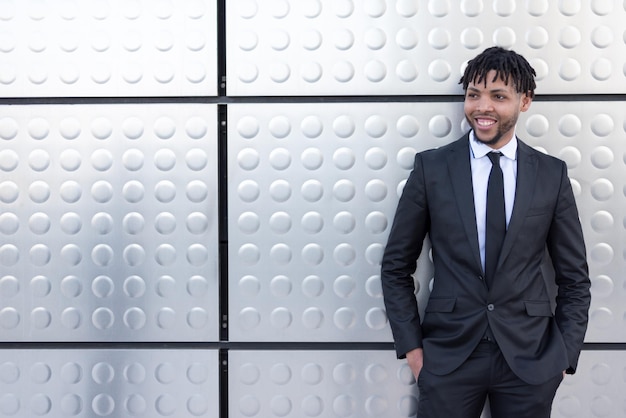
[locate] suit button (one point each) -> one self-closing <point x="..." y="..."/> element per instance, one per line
<point x="490" y="307"/>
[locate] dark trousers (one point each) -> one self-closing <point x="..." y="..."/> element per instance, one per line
<point x="463" y="393"/>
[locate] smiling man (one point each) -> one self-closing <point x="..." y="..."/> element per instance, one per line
<point x="491" y="206"/>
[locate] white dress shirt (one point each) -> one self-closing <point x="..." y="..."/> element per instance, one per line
<point x="481" y="167"/>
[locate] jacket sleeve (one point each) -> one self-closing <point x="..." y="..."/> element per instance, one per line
<point x="566" y="246"/>
<point x="404" y="245"/>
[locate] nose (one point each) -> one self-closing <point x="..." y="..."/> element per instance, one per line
<point x="484" y="104"/>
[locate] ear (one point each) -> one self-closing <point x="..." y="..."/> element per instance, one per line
<point x="525" y="102"/>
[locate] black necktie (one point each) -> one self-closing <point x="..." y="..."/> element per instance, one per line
<point x="496" y="219"/>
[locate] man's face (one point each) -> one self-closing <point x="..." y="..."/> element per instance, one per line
<point x="492" y="110"/>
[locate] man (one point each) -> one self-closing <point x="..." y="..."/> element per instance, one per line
<point x="489" y="329"/>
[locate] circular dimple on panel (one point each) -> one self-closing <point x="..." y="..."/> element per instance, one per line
<point x="102" y="373"/>
<point x="280" y="72"/>
<point x="197" y="286"/>
<point x="312" y="286"/>
<point x="375" y="126"/>
<point x="344" y="286"/>
<point x="165" y="223"/>
<point x="280" y="158"/>
<point x="279" y="40"/>
<point x="71" y="318"/>
<point x="40" y="286"/>
<point x="407" y="126"/>
<point x="439" y="38"/>
<point x="376" y="158"/>
<point x="39" y="191"/>
<point x="39" y="254"/>
<point x="439" y="70"/>
<point x="39" y="160"/>
<point x="376" y="190"/>
<point x="311" y="72"/>
<point x="280" y="222"/>
<point x="570" y="37"/>
<point x="440" y="126"/>
<point x="197" y="223"/>
<point x="248" y="127"/>
<point x="102" y="255"/>
<point x="376" y="222"/>
<point x="102" y="223"/>
<point x="279" y="127"/>
<point x="70" y="191"/>
<point x="134" y="255"/>
<point x="135" y="373"/>
<point x="165" y="191"/>
<point x="197" y="373"/>
<point x="249" y="222"/>
<point x="602" y="221"/>
<point x="40" y="318"/>
<point x="8" y="128"/>
<point x="602" y="189"/>
<point x="9" y="223"/>
<point x="344" y="222"/>
<point x="570" y="125"/>
<point x="248" y="40"/>
<point x="9" y="255"/>
<point x="601" y="69"/>
<point x="101" y="160"/>
<point x="9" y="160"/>
<point x="343" y="39"/>
<point x="313" y="254"/>
<point x="71" y="373"/>
<point x="281" y="286"/>
<point x="249" y="374"/>
<point x="280" y="190"/>
<point x="374" y="254"/>
<point x="407" y="38"/>
<point x="311" y="39"/>
<point x="9" y="286"/>
<point x="602" y="286"/>
<point x="249" y="318"/>
<point x="570" y="69"/>
<point x="196" y="159"/>
<point x="312" y="318"/>
<point x="376" y="319"/>
<point x="165" y="159"/>
<point x="406" y="71"/>
<point x="571" y="155"/>
<point x="71" y="287"/>
<point x="537" y="125"/>
<point x="249" y="254"/>
<point x="375" y="38"/>
<point x="196" y="191"/>
<point x="133" y="159"/>
<point x="135" y="404"/>
<point x="102" y="191"/>
<point x="312" y="373"/>
<point x="166" y="318"/>
<point x="344" y="190"/>
<point x="312" y="190"/>
<point x="249" y="286"/>
<point x="602" y="157"/>
<point x="165" y="373"/>
<point x="602" y="37"/>
<point x="602" y="125"/>
<point x="133" y="223"/>
<point x="311" y="126"/>
<point x="375" y="71"/>
<point x="344" y="318"/>
<point x="248" y="191"/>
<point x="344" y="158"/>
<point x="376" y="405"/>
<point x="504" y="37"/>
<point x="9" y="191"/>
<point x="134" y="287"/>
<point x="280" y="318"/>
<point x="602" y="406"/>
<point x="165" y="255"/>
<point x="569" y="8"/>
<point x="537" y="37"/>
<point x="472" y="38"/>
<point x="38" y="128"/>
<point x="344" y="374"/>
<point x="281" y="254"/>
<point x="312" y="222"/>
<point x="9" y="372"/>
<point x="9" y="318"/>
<point x="248" y="159"/>
<point x="39" y="223"/>
<point x="280" y="374"/>
<point x="312" y="158"/>
<point x="602" y="253"/>
<point x="103" y="404"/>
<point x="134" y="318"/>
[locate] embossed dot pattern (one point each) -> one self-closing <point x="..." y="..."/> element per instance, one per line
<point x="108" y="223"/>
<point x="108" y="48"/>
<point x="406" y="47"/>
<point x="115" y="383"/>
<point x="297" y="383"/>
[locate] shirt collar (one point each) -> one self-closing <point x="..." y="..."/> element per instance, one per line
<point x="480" y="150"/>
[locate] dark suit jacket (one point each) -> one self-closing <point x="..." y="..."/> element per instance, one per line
<point x="537" y="342"/>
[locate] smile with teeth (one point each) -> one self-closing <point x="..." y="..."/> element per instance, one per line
<point x="485" y="123"/>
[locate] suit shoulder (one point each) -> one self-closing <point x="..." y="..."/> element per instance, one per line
<point x="444" y="150"/>
<point x="542" y="157"/>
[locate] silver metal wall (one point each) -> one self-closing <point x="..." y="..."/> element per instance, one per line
<point x="195" y="195"/>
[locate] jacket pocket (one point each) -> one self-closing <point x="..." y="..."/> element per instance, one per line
<point x="441" y="305"/>
<point x="537" y="308"/>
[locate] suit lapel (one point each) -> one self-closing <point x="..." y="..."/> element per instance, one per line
<point x="526" y="178"/>
<point x="460" y="173"/>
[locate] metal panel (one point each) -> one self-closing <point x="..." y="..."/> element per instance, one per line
<point x="109" y="383"/>
<point x="108" y="219"/>
<point x="108" y="48"/>
<point x="408" y="47"/>
<point x="313" y="189"/>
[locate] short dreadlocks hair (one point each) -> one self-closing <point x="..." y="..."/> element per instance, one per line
<point x="506" y="64"/>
